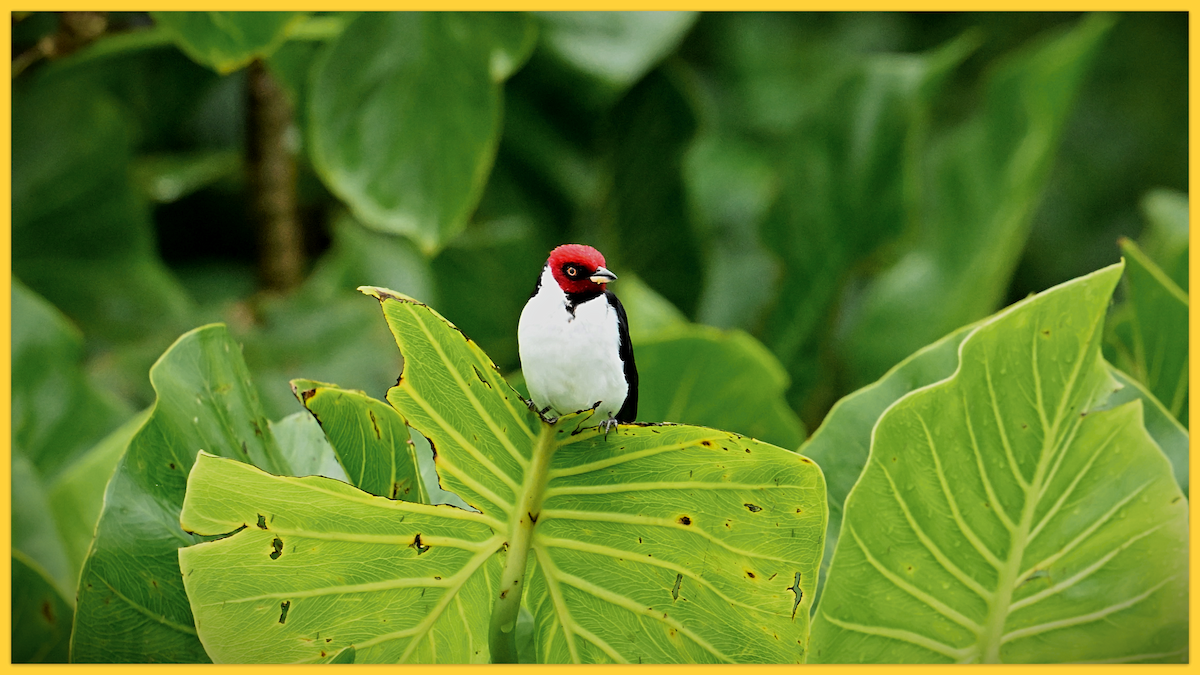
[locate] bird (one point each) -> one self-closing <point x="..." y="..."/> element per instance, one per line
<point x="573" y="339"/>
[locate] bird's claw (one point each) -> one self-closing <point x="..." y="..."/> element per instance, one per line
<point x="607" y="426"/>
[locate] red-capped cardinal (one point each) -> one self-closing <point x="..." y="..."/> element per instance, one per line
<point x="574" y="340"/>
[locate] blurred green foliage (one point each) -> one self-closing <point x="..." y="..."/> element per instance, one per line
<point x="826" y="192"/>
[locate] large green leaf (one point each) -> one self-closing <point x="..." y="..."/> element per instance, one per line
<point x="603" y="531"/>
<point x="226" y="41"/>
<point x="404" y="116"/>
<point x="1002" y="516"/>
<point x="56" y="413"/>
<point x="979" y="194"/>
<point x="1157" y="312"/>
<point x="76" y="494"/>
<point x="41" y="616"/>
<point x="81" y="234"/>
<point x="369" y="439"/>
<point x="841" y="445"/>
<point x="720" y="379"/>
<point x="131" y="602"/>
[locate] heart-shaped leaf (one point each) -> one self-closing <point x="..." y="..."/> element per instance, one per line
<point x="1002" y="514"/>
<point x="226" y="41"/>
<point x="658" y="543"/>
<point x="408" y="153"/>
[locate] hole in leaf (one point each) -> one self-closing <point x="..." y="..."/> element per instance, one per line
<point x="278" y="546"/>
<point x="262" y="522"/>
<point x="417" y="544"/>
<point x="753" y="508"/>
<point x="283" y="610"/>
<point x="795" y="588"/>
<point x="678" y="583"/>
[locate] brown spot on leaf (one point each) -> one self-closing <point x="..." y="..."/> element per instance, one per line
<point x="684" y="520"/>
<point x="48" y="612"/>
<point x="307" y="394"/>
<point x="707" y="444"/>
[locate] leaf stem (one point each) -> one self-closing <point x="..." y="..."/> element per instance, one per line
<point x="501" y="636"/>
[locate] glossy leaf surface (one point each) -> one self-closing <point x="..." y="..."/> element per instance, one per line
<point x="1001" y="516"/>
<point x="563" y="498"/>
<point x="406" y="152"/>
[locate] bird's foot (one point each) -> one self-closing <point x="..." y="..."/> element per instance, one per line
<point x="607" y="426"/>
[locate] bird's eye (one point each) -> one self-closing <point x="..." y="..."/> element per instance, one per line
<point x="572" y="271"/>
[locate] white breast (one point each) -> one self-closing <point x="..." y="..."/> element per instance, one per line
<point x="571" y="362"/>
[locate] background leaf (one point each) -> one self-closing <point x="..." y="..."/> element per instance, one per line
<point x="614" y="49"/>
<point x="976" y="558"/>
<point x="1157" y="350"/>
<point x="227" y="41"/>
<point x="408" y="154"/>
<point x="1166" y="238"/>
<point x="131" y="602"/>
<point x="41" y="615"/>
<point x="719" y="379"/>
<point x="991" y="172"/>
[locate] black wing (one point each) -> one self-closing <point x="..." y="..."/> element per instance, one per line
<point x="628" y="411"/>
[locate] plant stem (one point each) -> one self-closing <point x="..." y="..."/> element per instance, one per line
<point x="501" y="637"/>
<point x="272" y="165"/>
